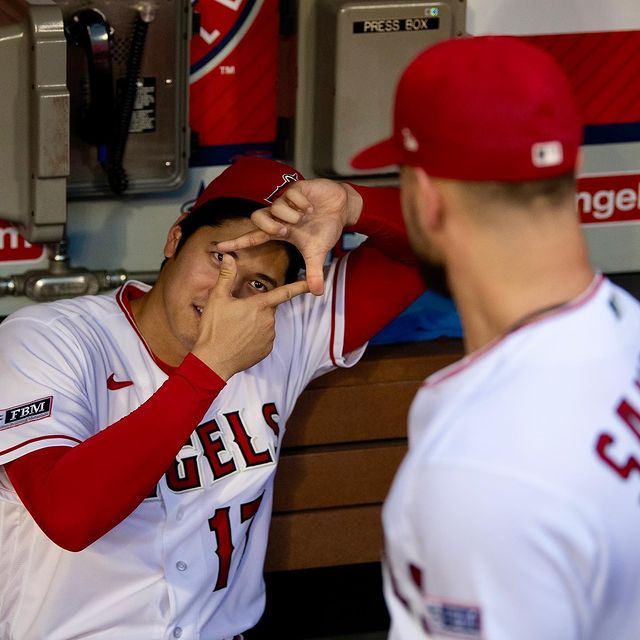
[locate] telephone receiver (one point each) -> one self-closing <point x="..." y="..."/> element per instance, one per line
<point x="105" y="123"/>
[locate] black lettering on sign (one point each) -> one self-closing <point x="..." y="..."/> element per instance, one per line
<point x="389" y="25"/>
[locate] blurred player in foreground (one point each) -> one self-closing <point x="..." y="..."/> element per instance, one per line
<point x="515" y="513"/>
<point x="140" y="431"/>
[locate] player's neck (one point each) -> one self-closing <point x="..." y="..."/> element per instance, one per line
<point x="513" y="283"/>
<point x="148" y="314"/>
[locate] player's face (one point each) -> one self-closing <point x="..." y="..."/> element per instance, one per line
<point x="189" y="276"/>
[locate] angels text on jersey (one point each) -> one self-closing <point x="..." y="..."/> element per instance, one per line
<point x="222" y="445"/>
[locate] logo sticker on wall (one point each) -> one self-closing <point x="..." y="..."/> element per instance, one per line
<point x="234" y="72"/>
<point x="223" y="24"/>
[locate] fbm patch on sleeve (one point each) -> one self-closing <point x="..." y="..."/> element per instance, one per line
<point x="28" y="412"/>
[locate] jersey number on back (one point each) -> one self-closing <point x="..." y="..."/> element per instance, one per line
<point x="631" y="417"/>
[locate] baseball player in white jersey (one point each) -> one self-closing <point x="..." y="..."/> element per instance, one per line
<point x="140" y="431"/>
<point x="515" y="514"/>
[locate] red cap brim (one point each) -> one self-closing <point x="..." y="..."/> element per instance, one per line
<point x="381" y="154"/>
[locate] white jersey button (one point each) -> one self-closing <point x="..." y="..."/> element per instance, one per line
<point x="177" y="632"/>
<point x="181" y="566"/>
<point x="180" y="514"/>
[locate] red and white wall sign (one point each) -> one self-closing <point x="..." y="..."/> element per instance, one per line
<point x="14" y="248"/>
<point x="609" y="198"/>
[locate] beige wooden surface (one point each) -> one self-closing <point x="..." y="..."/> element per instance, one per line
<point x="343" y="445"/>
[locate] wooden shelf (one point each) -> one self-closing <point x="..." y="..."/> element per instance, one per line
<point x="343" y="444"/>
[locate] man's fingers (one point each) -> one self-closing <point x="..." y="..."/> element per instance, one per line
<point x="291" y="202"/>
<point x="314" y="270"/>
<point x="282" y="210"/>
<point x="315" y="278"/>
<point x="226" y="277"/>
<point x="286" y="292"/>
<point x="250" y="239"/>
<point x="263" y="219"/>
<point x="298" y="198"/>
<point x="295" y="197"/>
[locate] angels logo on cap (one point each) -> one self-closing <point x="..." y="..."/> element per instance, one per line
<point x="287" y="178"/>
<point x="260" y="180"/>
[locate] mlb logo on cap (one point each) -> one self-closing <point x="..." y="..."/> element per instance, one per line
<point x="483" y="108"/>
<point x="547" y="154"/>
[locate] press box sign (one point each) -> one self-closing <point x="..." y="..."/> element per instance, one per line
<point x="14" y="248"/>
<point x="390" y="25"/>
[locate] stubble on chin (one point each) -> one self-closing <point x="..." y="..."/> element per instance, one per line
<point x="434" y="276"/>
<point x="432" y="271"/>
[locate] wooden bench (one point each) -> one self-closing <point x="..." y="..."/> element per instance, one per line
<point x="343" y="445"/>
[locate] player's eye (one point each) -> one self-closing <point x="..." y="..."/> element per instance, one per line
<point x="218" y="256"/>
<point x="258" y="286"/>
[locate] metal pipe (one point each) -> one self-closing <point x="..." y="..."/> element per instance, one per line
<point x="44" y="286"/>
<point x="61" y="280"/>
<point x="8" y="286"/>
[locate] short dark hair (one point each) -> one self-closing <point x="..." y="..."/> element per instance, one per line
<point x="553" y="191"/>
<point x="216" y="212"/>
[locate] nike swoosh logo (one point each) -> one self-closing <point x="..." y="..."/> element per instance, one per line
<point x="114" y="385"/>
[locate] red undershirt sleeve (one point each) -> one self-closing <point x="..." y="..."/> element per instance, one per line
<point x="382" y="277"/>
<point x="77" y="494"/>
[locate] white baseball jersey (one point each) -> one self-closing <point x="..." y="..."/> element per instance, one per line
<point x="516" y="514"/>
<point x="188" y="561"/>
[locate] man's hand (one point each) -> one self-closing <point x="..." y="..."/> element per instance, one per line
<point x="311" y="214"/>
<point x="237" y="333"/>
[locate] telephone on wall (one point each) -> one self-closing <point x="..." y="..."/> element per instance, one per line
<point x="94" y="103"/>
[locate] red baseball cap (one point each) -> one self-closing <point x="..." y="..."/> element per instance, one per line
<point x="482" y="108"/>
<point x="261" y="180"/>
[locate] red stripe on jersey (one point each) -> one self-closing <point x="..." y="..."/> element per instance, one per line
<point x="24" y="444"/>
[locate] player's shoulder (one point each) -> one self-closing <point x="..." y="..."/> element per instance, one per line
<point x="48" y="316"/>
<point x="603" y="316"/>
<point x="599" y="325"/>
<point x="624" y="307"/>
<point x="593" y="344"/>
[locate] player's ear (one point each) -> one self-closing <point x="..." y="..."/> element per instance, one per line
<point x="428" y="200"/>
<point x="421" y="200"/>
<point x="173" y="238"/>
